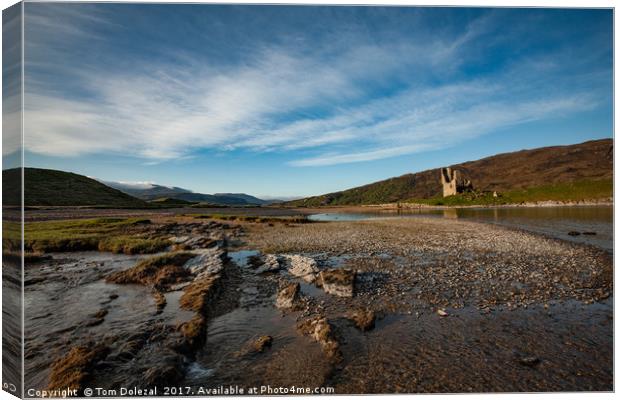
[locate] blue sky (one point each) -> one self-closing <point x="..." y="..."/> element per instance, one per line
<point x="295" y="101"/>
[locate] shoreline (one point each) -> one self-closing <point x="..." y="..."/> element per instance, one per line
<point x="32" y="214"/>
<point x="411" y="206"/>
<point x="68" y="213"/>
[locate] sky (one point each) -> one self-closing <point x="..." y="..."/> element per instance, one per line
<point x="280" y="101"/>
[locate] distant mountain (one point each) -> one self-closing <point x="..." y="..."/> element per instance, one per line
<point x="151" y="191"/>
<point x="147" y="191"/>
<point x="47" y="187"/>
<point x="212" y="199"/>
<point x="591" y="160"/>
<point x="246" y="197"/>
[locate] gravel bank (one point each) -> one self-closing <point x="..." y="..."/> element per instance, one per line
<point x="406" y="264"/>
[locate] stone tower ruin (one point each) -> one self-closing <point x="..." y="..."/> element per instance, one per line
<point x="453" y="182"/>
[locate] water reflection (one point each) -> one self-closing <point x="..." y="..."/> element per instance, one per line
<point x="450" y="213"/>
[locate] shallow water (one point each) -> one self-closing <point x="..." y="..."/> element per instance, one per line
<point x="61" y="298"/>
<point x="469" y="351"/>
<point x="227" y="357"/>
<point x="551" y="221"/>
<point x="474" y="352"/>
<point x="11" y="326"/>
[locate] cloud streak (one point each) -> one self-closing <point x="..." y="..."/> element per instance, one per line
<point x="324" y="106"/>
<point x="406" y="133"/>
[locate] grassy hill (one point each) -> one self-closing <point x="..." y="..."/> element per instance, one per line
<point x="46" y="187"/>
<point x="577" y="172"/>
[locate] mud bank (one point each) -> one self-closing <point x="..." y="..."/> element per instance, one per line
<point x="381" y="306"/>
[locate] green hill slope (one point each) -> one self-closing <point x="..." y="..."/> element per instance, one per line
<point x="46" y="187"/>
<point x="509" y="172"/>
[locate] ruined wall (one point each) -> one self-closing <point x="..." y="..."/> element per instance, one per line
<point x="448" y="181"/>
<point x="453" y="182"/>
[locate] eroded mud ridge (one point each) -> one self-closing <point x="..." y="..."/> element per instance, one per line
<point x="364" y="307"/>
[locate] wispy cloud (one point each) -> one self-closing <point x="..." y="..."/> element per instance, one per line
<point x="444" y="127"/>
<point x="11" y="80"/>
<point x="168" y="111"/>
<point x="326" y="105"/>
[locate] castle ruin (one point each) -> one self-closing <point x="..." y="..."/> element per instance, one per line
<point x="453" y="182"/>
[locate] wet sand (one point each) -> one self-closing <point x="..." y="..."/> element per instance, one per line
<point x="520" y="312"/>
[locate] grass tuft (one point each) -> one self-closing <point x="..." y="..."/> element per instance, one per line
<point x="157" y="271"/>
<point x="73" y="370"/>
<point x="129" y="245"/>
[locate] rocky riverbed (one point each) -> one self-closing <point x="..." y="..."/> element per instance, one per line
<point x="378" y="306"/>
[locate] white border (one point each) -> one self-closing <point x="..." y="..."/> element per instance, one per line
<point x="478" y="3"/>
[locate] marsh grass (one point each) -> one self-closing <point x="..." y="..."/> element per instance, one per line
<point x="131" y="245"/>
<point x="72" y="370"/>
<point x="11" y="237"/>
<point x="15" y="256"/>
<point x="118" y="235"/>
<point x="157" y="271"/>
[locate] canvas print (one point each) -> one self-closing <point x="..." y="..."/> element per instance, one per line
<point x="204" y="199"/>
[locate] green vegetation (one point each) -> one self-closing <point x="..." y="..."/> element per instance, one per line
<point x="117" y="235"/>
<point x="388" y="191"/>
<point x="46" y="187"/>
<point x="562" y="192"/>
<point x="11" y="237"/>
<point x="131" y="245"/>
